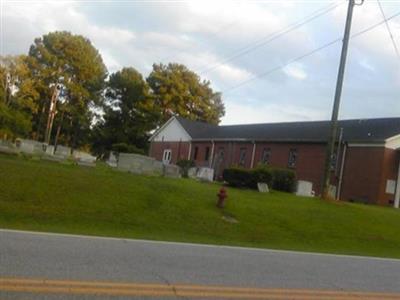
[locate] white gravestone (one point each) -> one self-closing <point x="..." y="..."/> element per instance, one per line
<point x="172" y="171"/>
<point x="304" y="188"/>
<point x="332" y="191"/>
<point x="390" y="186"/>
<point x="112" y="160"/>
<point x="192" y="173"/>
<point x="30" y="146"/>
<point x="206" y="174"/>
<point x="262" y="187"/>
<point x="7" y="147"/>
<point x="63" y="151"/>
<point x="50" y="150"/>
<point x="140" y="164"/>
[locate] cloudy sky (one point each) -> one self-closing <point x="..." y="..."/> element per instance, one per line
<point x="247" y="49"/>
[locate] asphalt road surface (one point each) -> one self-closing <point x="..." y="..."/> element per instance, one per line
<point x="52" y="266"/>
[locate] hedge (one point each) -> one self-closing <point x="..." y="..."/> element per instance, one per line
<point x="185" y="165"/>
<point x="284" y="180"/>
<point x="238" y="177"/>
<point x="278" y="179"/>
<point x="126" y="148"/>
<point x="261" y="174"/>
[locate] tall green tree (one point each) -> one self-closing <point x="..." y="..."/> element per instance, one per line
<point x="179" y="91"/>
<point x="129" y="112"/>
<point x="18" y="97"/>
<point x="72" y="62"/>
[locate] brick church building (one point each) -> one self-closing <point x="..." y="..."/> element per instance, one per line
<point x="366" y="167"/>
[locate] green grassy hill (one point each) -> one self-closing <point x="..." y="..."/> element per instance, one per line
<point x="47" y="196"/>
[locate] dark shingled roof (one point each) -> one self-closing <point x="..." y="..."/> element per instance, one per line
<point x="361" y="130"/>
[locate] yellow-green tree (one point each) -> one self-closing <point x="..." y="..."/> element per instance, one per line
<point x="179" y="91"/>
<point x="18" y="97"/>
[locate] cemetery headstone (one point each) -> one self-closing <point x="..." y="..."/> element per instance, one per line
<point x="172" y="171"/>
<point x="62" y="151"/>
<point x="206" y="174"/>
<point x="112" y="160"/>
<point x="192" y="172"/>
<point x="8" y="147"/>
<point x="139" y="164"/>
<point x="262" y="187"/>
<point x="304" y="188"/>
<point x="30" y="146"/>
<point x="50" y="150"/>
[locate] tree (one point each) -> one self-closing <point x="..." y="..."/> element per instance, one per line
<point x="17" y="97"/>
<point x="71" y="62"/>
<point x="179" y="91"/>
<point x="129" y="112"/>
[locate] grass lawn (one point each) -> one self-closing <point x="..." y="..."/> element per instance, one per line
<point x="49" y="196"/>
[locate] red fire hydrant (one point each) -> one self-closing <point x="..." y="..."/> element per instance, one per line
<point x="222" y="195"/>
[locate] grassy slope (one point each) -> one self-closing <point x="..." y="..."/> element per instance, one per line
<point x="47" y="196"/>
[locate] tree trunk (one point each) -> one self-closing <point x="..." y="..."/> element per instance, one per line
<point x="58" y="130"/>
<point x="75" y="135"/>
<point x="42" y="110"/>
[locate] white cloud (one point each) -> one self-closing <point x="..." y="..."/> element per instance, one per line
<point x="231" y="74"/>
<point x="111" y="63"/>
<point x="236" y="20"/>
<point x="366" y="65"/>
<point x="209" y="66"/>
<point x="167" y="41"/>
<point x="40" y="18"/>
<point x="296" y="71"/>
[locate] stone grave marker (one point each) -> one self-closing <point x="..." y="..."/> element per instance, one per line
<point x="206" y="174"/>
<point x="262" y="187"/>
<point x="304" y="188"/>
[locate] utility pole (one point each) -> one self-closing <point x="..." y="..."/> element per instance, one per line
<point x="335" y="112"/>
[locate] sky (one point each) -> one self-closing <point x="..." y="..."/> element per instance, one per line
<point x="254" y="52"/>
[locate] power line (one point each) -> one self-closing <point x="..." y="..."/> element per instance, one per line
<point x="273" y="36"/>
<point x="285" y="65"/>
<point x="215" y="33"/>
<point x="375" y="25"/>
<point x="389" y="30"/>
<point x="309" y="54"/>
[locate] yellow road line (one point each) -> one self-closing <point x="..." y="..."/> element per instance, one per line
<point x="143" y="289"/>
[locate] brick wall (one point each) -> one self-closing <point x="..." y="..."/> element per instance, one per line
<point x="389" y="172"/>
<point x="200" y="159"/>
<point x="309" y="164"/>
<point x="366" y="171"/>
<point x="179" y="150"/>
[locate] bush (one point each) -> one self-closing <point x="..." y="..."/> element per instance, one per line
<point x="277" y="179"/>
<point x="185" y="165"/>
<point x="284" y="180"/>
<point x="261" y="174"/>
<point x="125" y="148"/>
<point x="238" y="177"/>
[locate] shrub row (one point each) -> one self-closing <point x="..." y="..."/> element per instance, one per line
<point x="126" y="148"/>
<point x="185" y="165"/>
<point x="278" y="179"/>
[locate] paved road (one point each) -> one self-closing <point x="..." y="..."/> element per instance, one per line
<point x="78" y="264"/>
